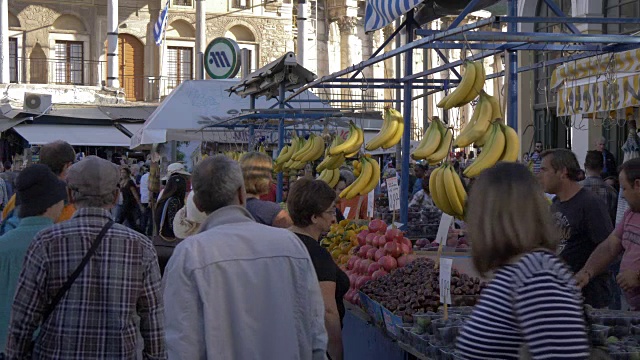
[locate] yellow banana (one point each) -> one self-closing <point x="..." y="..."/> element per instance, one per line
<point x="335" y="179"/>
<point x="323" y="176"/>
<point x="441" y="192"/>
<point x="363" y="180"/>
<point x="491" y="153"/>
<point x="484" y="139"/>
<point x="323" y="164"/>
<point x="460" y="191"/>
<point x="512" y="144"/>
<point x="430" y="141"/>
<point x="353" y="142"/>
<point x="433" y="189"/>
<point x="496" y="114"/>
<point x="450" y="188"/>
<point x="284" y="156"/>
<point x="479" y="126"/>
<point x="336" y="162"/>
<point x="464" y="87"/>
<point x="317" y="148"/>
<point x="399" y="131"/>
<point x="478" y="83"/>
<point x="443" y="149"/>
<point x="305" y="147"/>
<point x="383" y="135"/>
<point x="375" y="177"/>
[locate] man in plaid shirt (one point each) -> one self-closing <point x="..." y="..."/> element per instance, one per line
<point x="96" y="319"/>
<point x="593" y="165"/>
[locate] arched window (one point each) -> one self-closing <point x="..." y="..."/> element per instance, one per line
<point x="549" y="128"/>
<point x="15" y="47"/>
<point x="621" y="9"/>
<point x="68" y="46"/>
<point x="180" y="55"/>
<point x="246" y="40"/>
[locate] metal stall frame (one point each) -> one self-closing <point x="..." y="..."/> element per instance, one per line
<point x="470" y="38"/>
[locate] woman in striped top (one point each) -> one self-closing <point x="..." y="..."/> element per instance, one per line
<point x="532" y="301"/>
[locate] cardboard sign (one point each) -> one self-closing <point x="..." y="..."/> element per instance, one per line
<point x="445" y="280"/>
<point x="346" y="212"/>
<point x="393" y="191"/>
<point x="443" y="230"/>
<point x="370" y="203"/>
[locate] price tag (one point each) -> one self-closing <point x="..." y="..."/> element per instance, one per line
<point x="393" y="193"/>
<point x="370" y="203"/>
<point x="443" y="230"/>
<point x="346" y="212"/>
<point x="445" y="280"/>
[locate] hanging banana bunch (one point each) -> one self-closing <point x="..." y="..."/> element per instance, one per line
<point x="366" y="181"/>
<point x="391" y="131"/>
<point x="447" y="191"/>
<point x="435" y="144"/>
<point x="470" y="86"/>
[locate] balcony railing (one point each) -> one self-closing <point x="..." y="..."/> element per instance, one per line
<point x="149" y="88"/>
<point x="59" y="72"/>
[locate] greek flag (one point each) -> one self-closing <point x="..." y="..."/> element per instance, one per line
<point x="158" y="28"/>
<point x="380" y="13"/>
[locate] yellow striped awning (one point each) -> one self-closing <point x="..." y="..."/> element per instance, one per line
<point x="598" y="83"/>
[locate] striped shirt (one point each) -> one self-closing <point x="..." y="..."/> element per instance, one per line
<point x="96" y="319"/>
<point x="534" y="302"/>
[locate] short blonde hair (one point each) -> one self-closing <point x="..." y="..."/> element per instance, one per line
<point x="256" y="170"/>
<point x="508" y="215"/>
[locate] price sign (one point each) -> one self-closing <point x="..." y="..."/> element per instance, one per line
<point x="443" y="230"/>
<point x="370" y="204"/>
<point x="393" y="193"/>
<point x="346" y="212"/>
<point x="445" y="280"/>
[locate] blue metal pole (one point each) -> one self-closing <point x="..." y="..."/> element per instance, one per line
<point x="512" y="107"/>
<point x="280" y="142"/>
<point x="251" y="141"/>
<point x="406" y="137"/>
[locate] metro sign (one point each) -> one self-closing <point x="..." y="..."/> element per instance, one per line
<point x="222" y="58"/>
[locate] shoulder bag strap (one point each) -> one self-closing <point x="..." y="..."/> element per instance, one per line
<point x="76" y="272"/>
<point x="163" y="218"/>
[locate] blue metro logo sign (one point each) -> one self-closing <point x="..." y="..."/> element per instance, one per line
<point x="222" y="58"/>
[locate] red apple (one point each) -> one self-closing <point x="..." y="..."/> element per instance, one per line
<point x="388" y="262"/>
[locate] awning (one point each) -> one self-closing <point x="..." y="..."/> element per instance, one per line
<point x="600" y="83"/>
<point x="78" y="135"/>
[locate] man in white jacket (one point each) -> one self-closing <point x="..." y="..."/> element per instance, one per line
<point x="239" y="289"/>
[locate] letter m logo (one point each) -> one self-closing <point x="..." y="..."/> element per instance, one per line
<point x="219" y="59"/>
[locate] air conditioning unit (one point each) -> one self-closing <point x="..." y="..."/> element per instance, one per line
<point x="36" y="103"/>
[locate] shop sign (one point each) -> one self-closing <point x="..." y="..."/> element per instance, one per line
<point x="599" y="96"/>
<point x="222" y="58"/>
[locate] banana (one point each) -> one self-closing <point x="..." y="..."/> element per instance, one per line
<point x="432" y="187"/>
<point x="496" y="114"/>
<point x="284" y="156"/>
<point x="317" y="148"/>
<point x="460" y="191"/>
<point x="335" y="179"/>
<point x="478" y="83"/>
<point x="361" y="181"/>
<point x="491" y="153"/>
<point x="430" y="141"/>
<point x="441" y="192"/>
<point x="375" y="177"/>
<point x="399" y="129"/>
<point x="305" y="147"/>
<point x="353" y="142"/>
<point x="324" y="176"/>
<point x="464" y="87"/>
<point x="479" y="125"/>
<point x="484" y="139"/>
<point x="444" y="147"/>
<point x="450" y="189"/>
<point x="512" y="144"/>
<point x="384" y="134"/>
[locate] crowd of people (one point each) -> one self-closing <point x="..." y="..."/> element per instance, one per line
<point x="86" y="279"/>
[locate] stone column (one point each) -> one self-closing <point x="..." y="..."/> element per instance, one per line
<point x="4" y="42"/>
<point x="112" y="44"/>
<point x="348" y="40"/>
<point x="201" y="37"/>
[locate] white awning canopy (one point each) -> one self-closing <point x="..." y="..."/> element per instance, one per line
<point x="78" y="135"/>
<point x="198" y="103"/>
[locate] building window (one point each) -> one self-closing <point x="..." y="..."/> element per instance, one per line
<point x="549" y="129"/>
<point x="179" y="65"/>
<point x="188" y="3"/>
<point x="69" y="63"/>
<point x="13" y="60"/>
<point x="621" y="9"/>
<point x="241" y="4"/>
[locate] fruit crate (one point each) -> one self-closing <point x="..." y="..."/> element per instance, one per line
<point x="372" y="308"/>
<point x="391" y="321"/>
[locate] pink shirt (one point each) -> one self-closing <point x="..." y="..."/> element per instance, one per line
<point x="628" y="231"/>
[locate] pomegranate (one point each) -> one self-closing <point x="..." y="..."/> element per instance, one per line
<point x="378" y="274"/>
<point x="394" y="234"/>
<point x="404" y="240"/>
<point x="403" y="261"/>
<point x="362" y="237"/>
<point x="388" y="262"/>
<point x="371" y="253"/>
<point x="352" y="280"/>
<point x="379" y="253"/>
<point x="369" y="238"/>
<point x="392" y="248"/>
<point x="405" y="249"/>
<point x="352" y="262"/>
<point x="373" y="268"/>
<point x="377" y="225"/>
<point x="363" y="251"/>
